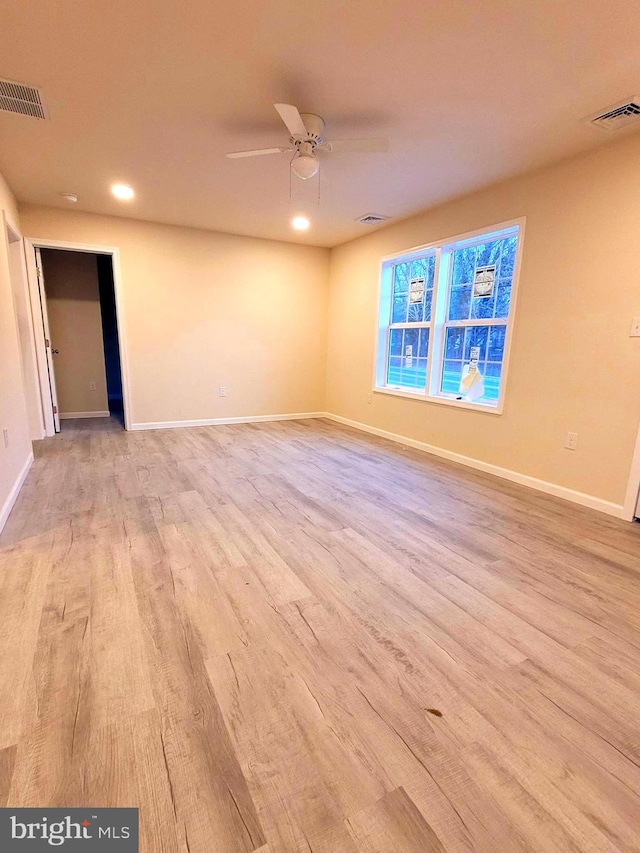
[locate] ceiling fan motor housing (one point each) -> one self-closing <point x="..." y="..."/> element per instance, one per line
<point x="314" y="126"/>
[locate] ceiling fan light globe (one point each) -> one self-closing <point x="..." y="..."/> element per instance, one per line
<point x="305" y="166"/>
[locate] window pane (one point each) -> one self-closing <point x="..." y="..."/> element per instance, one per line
<point x="454" y="343"/>
<point x="488" y="254"/>
<point x="419" y="268"/>
<point x="413" y="291"/>
<point x="395" y="342"/>
<point x="428" y="297"/>
<point x="395" y="355"/>
<point x="503" y="299"/>
<point x="411" y="346"/>
<point x="451" y="376"/>
<point x="496" y="343"/>
<point x="489" y="342"/>
<point x="492" y="382"/>
<point x="476" y="336"/>
<point x="423" y="344"/>
<point x="401" y="278"/>
<point x="416" y="311"/>
<point x="399" y="310"/>
<point x="482" y="307"/>
<point x="460" y="303"/>
<point x="407" y="365"/>
<point x="431" y="270"/>
<point x="464" y="261"/>
<point x="481" y="280"/>
<point x="508" y="260"/>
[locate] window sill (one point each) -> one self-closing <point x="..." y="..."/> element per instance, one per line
<point x="421" y="397"/>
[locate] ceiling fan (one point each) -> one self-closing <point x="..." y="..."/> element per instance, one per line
<point x="306" y="141"/>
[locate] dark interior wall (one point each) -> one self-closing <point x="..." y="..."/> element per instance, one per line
<point x="110" y="332"/>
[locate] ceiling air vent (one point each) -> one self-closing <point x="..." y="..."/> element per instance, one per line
<point x="372" y="218"/>
<point x="21" y="99"/>
<point x="618" y="116"/>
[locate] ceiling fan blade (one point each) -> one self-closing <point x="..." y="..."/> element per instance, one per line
<point x="234" y="155"/>
<point x="292" y="118"/>
<point x="356" y="146"/>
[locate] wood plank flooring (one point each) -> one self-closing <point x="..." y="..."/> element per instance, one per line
<point x="291" y="637"/>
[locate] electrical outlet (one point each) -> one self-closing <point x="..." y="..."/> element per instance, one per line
<point x="92" y="386"/>
<point x="635" y="328"/>
<point x="369" y="397"/>
<point x="222" y="390"/>
<point x="572" y="441"/>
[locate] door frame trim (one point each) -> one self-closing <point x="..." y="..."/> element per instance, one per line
<point x="633" y="486"/>
<point x="32" y="243"/>
<point x="14" y="237"/>
<point x="52" y="397"/>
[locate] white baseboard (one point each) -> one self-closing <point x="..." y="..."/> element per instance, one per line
<point x="249" y="419"/>
<point x="15" y="491"/>
<point x="548" y="488"/>
<point x="581" y="498"/>
<point x="67" y="416"/>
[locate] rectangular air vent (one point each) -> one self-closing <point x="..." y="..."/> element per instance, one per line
<point x="372" y="218"/>
<point x="618" y="116"/>
<point x="21" y="99"/>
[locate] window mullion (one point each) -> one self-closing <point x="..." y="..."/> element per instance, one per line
<point x="480" y="321"/>
<point x="417" y="325"/>
<point x="438" y="315"/>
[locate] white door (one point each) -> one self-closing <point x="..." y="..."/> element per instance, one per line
<point x="47" y="342"/>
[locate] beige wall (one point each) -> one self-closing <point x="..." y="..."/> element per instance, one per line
<point x="202" y="309"/>
<point x="75" y="323"/>
<point x="573" y="365"/>
<point x="13" y="413"/>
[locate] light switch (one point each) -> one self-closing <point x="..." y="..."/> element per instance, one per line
<point x="635" y="328"/>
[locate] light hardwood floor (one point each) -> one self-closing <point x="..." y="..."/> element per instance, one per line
<point x="292" y="637"/>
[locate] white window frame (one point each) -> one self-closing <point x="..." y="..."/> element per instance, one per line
<point x="443" y="250"/>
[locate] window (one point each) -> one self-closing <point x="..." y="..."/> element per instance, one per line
<point x="445" y="318"/>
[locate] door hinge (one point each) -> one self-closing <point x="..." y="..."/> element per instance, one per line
<point x="47" y="342"/>
<point x="55" y="410"/>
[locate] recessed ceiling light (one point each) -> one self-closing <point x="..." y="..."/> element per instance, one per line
<point x="72" y="198"/>
<point x="122" y="191"/>
<point x="300" y="223"/>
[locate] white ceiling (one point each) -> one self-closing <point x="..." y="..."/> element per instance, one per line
<point x="154" y="93"/>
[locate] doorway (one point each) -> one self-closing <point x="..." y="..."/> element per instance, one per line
<point x="110" y="336"/>
<point x="81" y="351"/>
